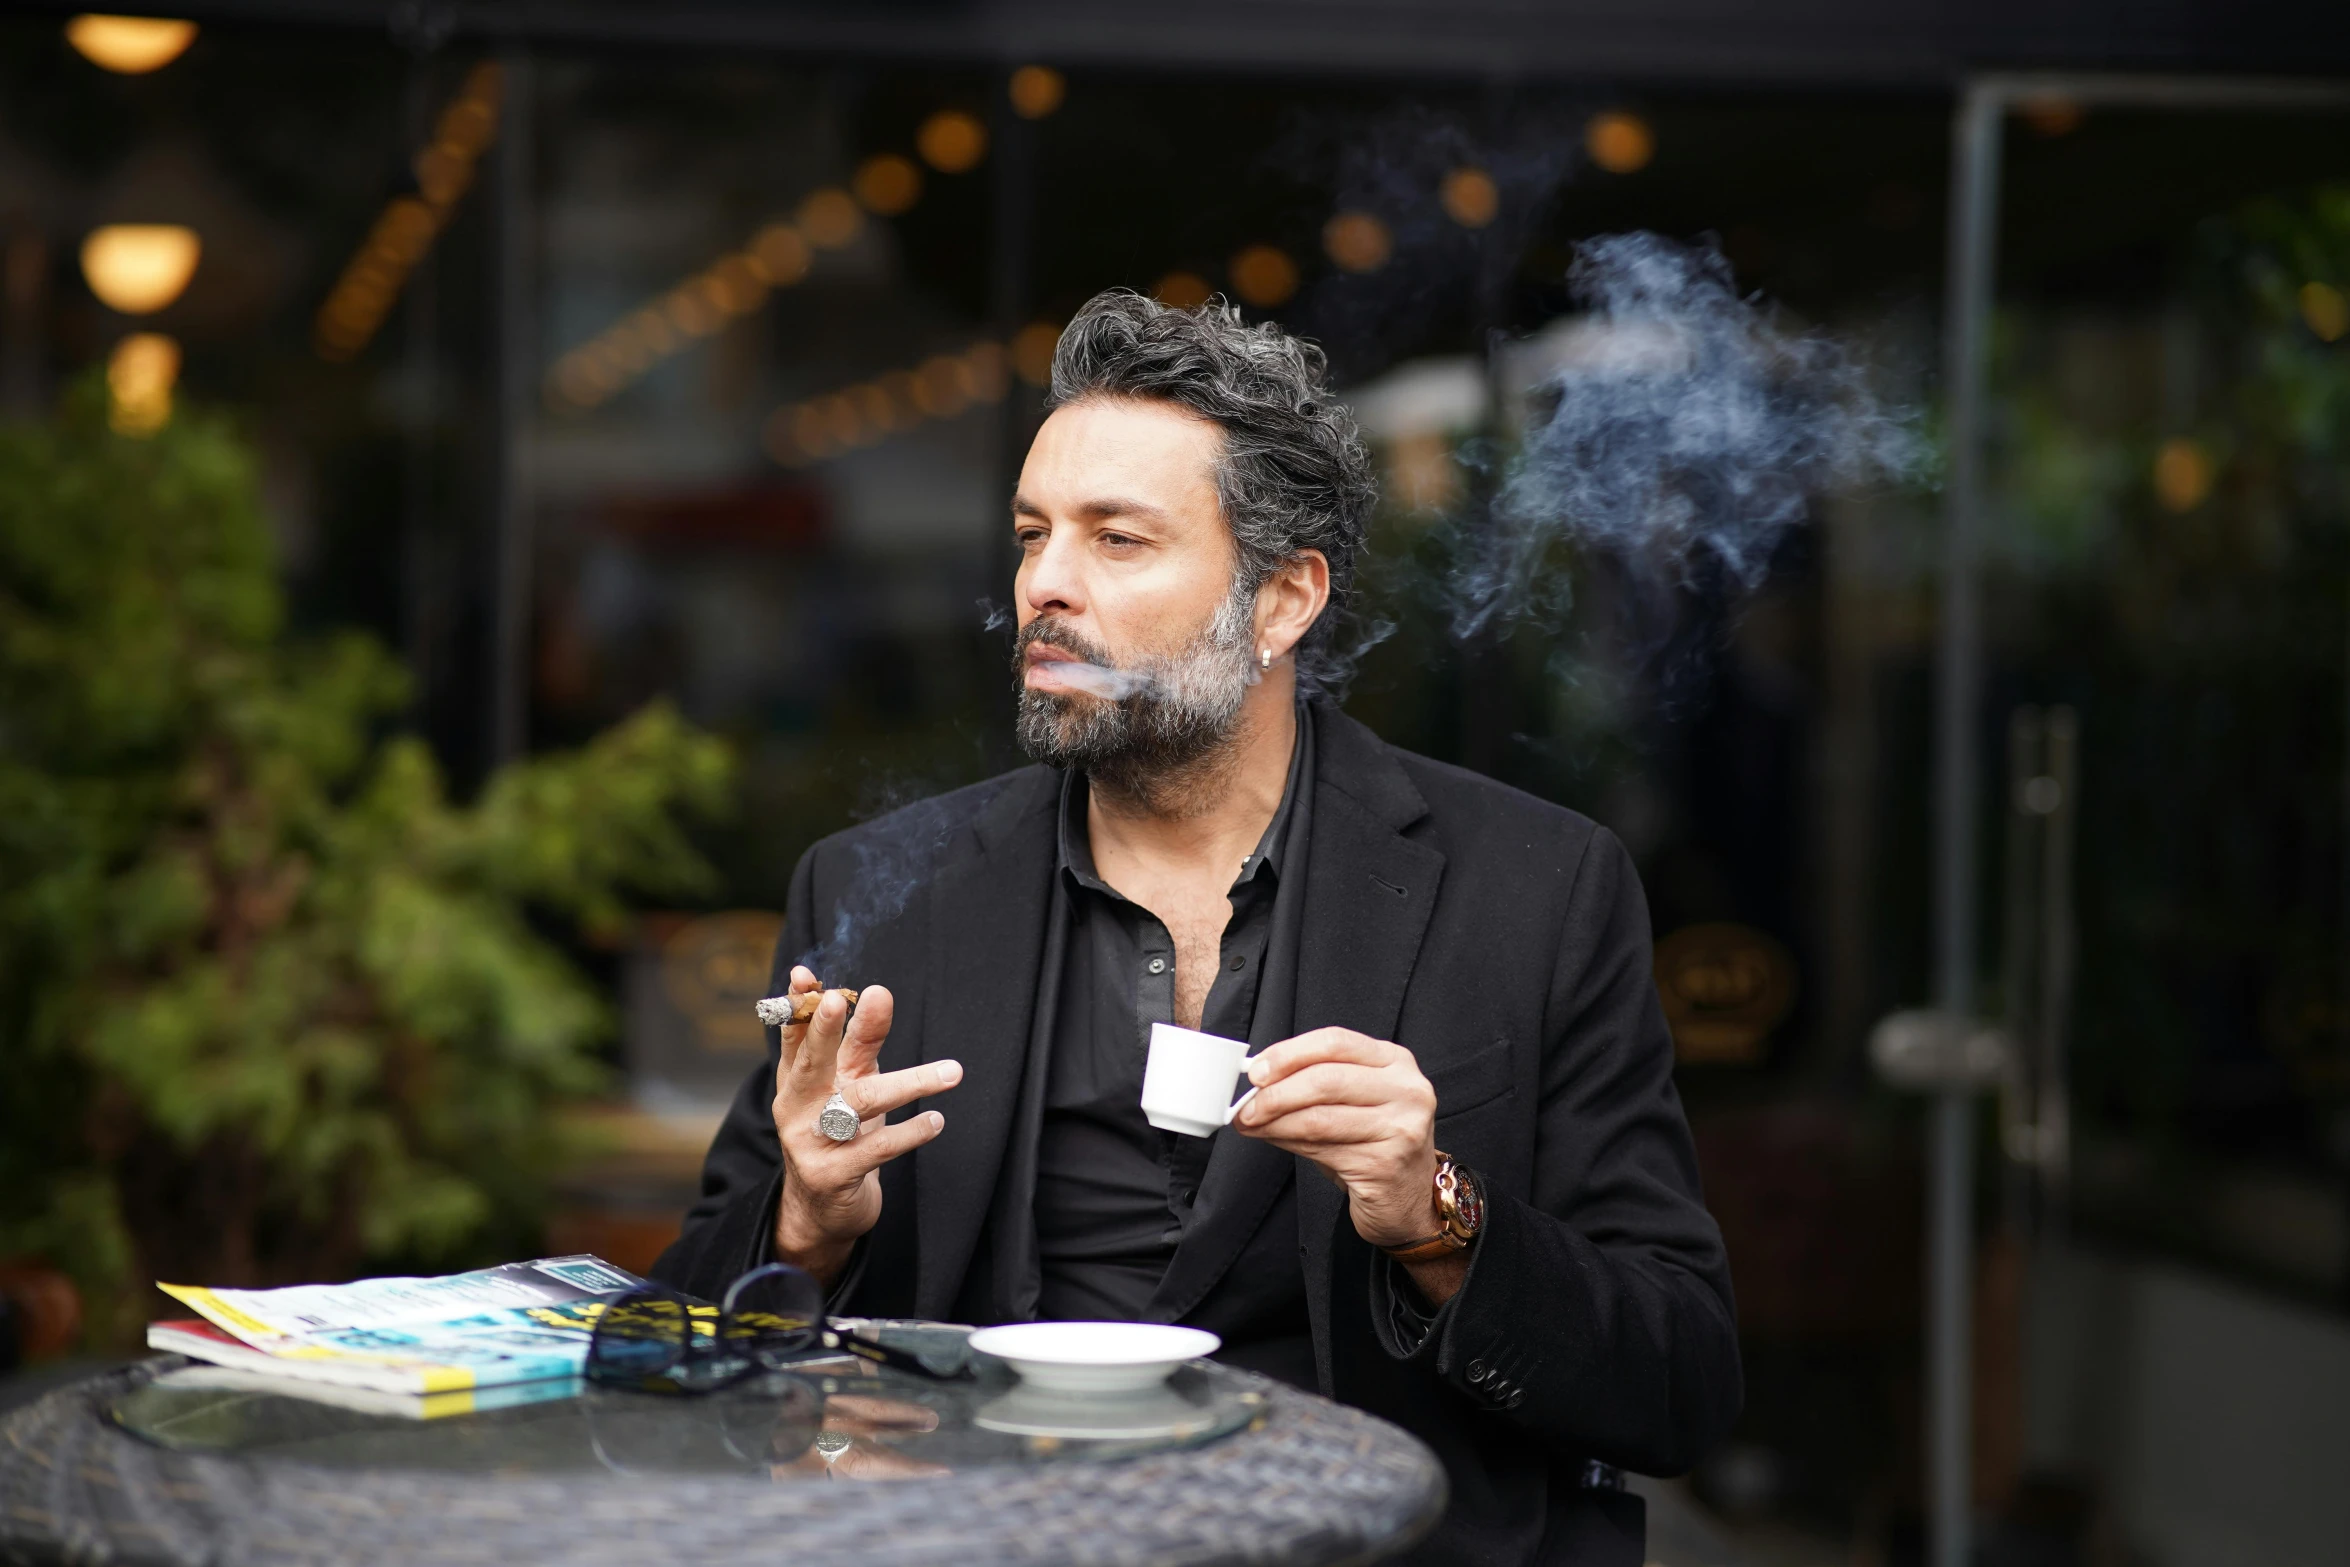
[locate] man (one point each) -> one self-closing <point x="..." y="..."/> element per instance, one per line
<point x="1464" y="1196"/>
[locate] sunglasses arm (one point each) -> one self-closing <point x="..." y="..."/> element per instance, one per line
<point x="896" y="1359"/>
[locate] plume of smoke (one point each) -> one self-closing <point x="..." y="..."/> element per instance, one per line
<point x="1104" y="681"/>
<point x="1683" y="431"/>
<point x="893" y="861"/>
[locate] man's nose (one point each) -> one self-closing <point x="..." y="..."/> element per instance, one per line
<point x="1050" y="579"/>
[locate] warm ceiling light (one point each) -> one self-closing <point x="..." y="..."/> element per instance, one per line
<point x="139" y="377"/>
<point x="1263" y="276"/>
<point x="138" y="268"/>
<point x="1037" y="90"/>
<point x="829" y="218"/>
<point x="1470" y="197"/>
<point x="1357" y="241"/>
<point x="1032" y="352"/>
<point x="2325" y="310"/>
<point x="887" y="184"/>
<point x="2182" y="474"/>
<point x="1619" y="143"/>
<point x="951" y="141"/>
<point x="1183" y="290"/>
<point x="130" y="45"/>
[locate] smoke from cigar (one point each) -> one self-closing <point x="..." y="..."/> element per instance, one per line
<point x="780" y="1010"/>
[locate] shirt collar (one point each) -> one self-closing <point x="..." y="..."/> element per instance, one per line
<point x="1076" y="858"/>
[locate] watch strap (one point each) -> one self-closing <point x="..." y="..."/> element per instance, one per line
<point x="1442" y="1244"/>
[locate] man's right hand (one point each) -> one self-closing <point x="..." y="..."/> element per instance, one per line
<point x="832" y="1191"/>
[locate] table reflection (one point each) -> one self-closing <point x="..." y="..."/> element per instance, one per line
<point x="841" y="1419"/>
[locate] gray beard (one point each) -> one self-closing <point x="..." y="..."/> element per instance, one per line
<point x="1168" y="730"/>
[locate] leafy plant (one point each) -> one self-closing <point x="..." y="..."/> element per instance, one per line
<point x="271" y="1003"/>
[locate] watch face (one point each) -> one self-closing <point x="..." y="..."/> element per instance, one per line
<point x="1468" y="1201"/>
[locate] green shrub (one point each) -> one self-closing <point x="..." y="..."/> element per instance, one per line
<point x="271" y="1004"/>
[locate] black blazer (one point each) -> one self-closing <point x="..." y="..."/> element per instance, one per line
<point x="1505" y="942"/>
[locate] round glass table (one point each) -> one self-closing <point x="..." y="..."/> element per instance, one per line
<point x="169" y="1461"/>
<point x="839" y="1418"/>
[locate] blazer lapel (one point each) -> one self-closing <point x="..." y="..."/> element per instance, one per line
<point x="1371" y="892"/>
<point x="1242" y="1179"/>
<point x="1368" y="895"/>
<point x="987" y="918"/>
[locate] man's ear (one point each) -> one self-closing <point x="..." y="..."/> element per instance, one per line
<point x="1292" y="597"/>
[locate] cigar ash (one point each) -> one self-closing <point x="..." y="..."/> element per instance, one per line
<point x="779" y="1010"/>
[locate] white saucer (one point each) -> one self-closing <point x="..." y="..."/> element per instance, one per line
<point x="1094" y="1357"/>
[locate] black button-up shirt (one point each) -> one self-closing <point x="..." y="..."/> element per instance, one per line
<point x="1113" y="1193"/>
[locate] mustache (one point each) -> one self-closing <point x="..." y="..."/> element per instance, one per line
<point x="1096" y="672"/>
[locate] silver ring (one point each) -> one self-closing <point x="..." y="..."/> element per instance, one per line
<point x="836" y="1120"/>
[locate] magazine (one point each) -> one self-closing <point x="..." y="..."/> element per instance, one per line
<point x="522" y="1322"/>
<point x="223" y="1378"/>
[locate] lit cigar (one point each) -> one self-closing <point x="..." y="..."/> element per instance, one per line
<point x="798" y="1009"/>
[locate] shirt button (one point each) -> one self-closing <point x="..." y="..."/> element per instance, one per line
<point x="1158" y="965"/>
<point x="1237" y="964"/>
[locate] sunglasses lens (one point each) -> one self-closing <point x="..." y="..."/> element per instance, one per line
<point x="639" y="1335"/>
<point x="772" y="1317"/>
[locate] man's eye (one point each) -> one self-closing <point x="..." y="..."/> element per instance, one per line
<point x="1028" y="538"/>
<point x="1118" y="540"/>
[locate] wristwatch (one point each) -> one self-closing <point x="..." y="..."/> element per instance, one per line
<point x="1460" y="1202"/>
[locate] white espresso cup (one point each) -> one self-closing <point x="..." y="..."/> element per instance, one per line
<point x="1188" y="1078"/>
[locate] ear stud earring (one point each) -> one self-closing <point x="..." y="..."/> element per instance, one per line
<point x="1265" y="659"/>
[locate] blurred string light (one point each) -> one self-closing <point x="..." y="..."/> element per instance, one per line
<point x="139" y="378"/>
<point x="130" y="45"/>
<point x="1183" y="290"/>
<point x="943" y="386"/>
<point x="830" y="218"/>
<point x="2325" y="311"/>
<point x="139" y="268"/>
<point x="887" y="185"/>
<point x="405" y="230"/>
<point x="951" y="141"/>
<point x="2182" y="474"/>
<point x="1618" y="142"/>
<point x="1357" y="242"/>
<point x="1469" y="197"/>
<point x="1263" y="276"/>
<point x="778" y="256"/>
<point x="1036" y="91"/>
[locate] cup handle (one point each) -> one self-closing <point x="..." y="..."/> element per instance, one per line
<point x="1237" y="1103"/>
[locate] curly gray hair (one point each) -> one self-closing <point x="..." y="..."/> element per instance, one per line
<point x="1294" y="474"/>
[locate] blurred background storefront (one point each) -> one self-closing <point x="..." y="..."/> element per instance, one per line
<point x="594" y="354"/>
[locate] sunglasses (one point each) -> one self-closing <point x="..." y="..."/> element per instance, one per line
<point x="658" y="1340"/>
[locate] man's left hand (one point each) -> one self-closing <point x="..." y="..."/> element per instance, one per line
<point x="1360" y="1109"/>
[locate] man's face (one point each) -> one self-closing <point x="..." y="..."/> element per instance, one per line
<point x="1134" y="647"/>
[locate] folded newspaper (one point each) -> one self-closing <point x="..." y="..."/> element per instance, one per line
<point x="497" y="1327"/>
